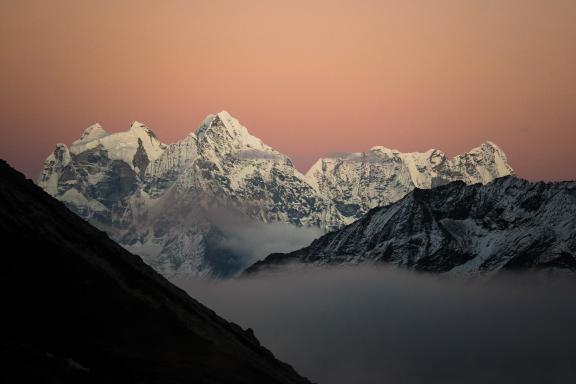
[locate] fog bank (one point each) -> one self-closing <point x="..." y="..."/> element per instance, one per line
<point x="375" y="325"/>
<point x="238" y="241"/>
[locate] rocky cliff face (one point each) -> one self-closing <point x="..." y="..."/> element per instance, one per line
<point x="160" y="201"/>
<point x="78" y="308"/>
<point x="457" y="229"/>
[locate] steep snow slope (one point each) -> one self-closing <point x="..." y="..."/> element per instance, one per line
<point x="458" y="229"/>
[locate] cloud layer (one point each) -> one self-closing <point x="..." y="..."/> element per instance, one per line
<point x="368" y="326"/>
<point x="251" y="240"/>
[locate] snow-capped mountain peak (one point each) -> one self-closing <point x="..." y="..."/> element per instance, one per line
<point x="507" y="224"/>
<point x="93" y="132"/>
<point x="155" y="199"/>
<point x="137" y="127"/>
<point x="358" y="182"/>
<point x="150" y="142"/>
<point x="226" y="134"/>
<point x="120" y="145"/>
<point x="222" y="121"/>
<point x="489" y="143"/>
<point x="378" y="149"/>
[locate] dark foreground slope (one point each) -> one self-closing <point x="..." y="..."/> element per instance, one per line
<point x="77" y="307"/>
<point x="508" y="224"/>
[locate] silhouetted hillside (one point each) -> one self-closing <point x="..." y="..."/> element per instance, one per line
<point x="77" y="307"/>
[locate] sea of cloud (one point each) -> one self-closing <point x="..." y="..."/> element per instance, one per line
<point x="368" y="325"/>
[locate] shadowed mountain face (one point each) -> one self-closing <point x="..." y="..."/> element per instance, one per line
<point x="508" y="224"/>
<point x="77" y="307"/>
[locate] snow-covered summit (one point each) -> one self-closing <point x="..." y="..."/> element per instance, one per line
<point x="100" y="169"/>
<point x="155" y="199"/>
<point x="93" y="132"/>
<point x="139" y="129"/>
<point x="225" y="133"/>
<point x="384" y="151"/>
<point x="120" y="145"/>
<point x="360" y="181"/>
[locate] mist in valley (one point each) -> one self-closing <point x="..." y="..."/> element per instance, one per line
<point x="252" y="240"/>
<point x="370" y="325"/>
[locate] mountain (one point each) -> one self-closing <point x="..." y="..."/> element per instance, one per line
<point x="358" y="182"/>
<point x="78" y="308"/>
<point x="220" y="167"/>
<point x="160" y="200"/>
<point x="167" y="202"/>
<point x="100" y="175"/>
<point x="507" y="224"/>
<point x="224" y="165"/>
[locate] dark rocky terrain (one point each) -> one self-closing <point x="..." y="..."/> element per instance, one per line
<point x="77" y="307"/>
<point x="508" y="224"/>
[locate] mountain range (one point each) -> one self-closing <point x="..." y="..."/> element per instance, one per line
<point x="164" y="202"/>
<point x="78" y="308"/>
<point x="508" y="224"/>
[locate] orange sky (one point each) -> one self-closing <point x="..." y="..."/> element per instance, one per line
<point x="307" y="77"/>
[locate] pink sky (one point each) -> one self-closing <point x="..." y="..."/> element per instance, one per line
<point x="307" y="77"/>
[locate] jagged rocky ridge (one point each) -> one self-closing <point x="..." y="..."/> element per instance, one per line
<point x="163" y="201"/>
<point x="78" y="308"/>
<point x="458" y="229"/>
<point x="358" y="182"/>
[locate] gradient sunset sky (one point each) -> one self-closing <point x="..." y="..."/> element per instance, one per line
<point x="309" y="78"/>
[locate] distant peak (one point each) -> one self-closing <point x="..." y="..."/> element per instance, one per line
<point x="138" y="126"/>
<point x="220" y="120"/>
<point x="435" y="155"/>
<point x="384" y="150"/>
<point x="95" y="131"/>
<point x="226" y="120"/>
<point x="223" y="129"/>
<point x="224" y="115"/>
<point x="95" y="126"/>
<point x="486" y="146"/>
<point x="491" y="144"/>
